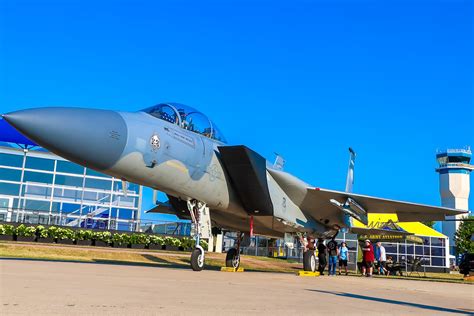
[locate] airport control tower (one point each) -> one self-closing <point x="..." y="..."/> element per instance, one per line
<point x="454" y="169"/>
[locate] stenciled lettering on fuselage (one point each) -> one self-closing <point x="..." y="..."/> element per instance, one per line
<point x="213" y="172"/>
<point x="185" y="139"/>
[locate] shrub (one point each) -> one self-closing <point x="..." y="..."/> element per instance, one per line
<point x="139" y="239"/>
<point x="7" y="229"/>
<point x="25" y="231"/>
<point x="187" y="243"/>
<point x="104" y="236"/>
<point x="157" y="240"/>
<point x="64" y="233"/>
<point x="41" y="231"/>
<point x="52" y="231"/>
<point x="83" y="234"/>
<point x="171" y="241"/>
<point x="121" y="239"/>
<point x="203" y="244"/>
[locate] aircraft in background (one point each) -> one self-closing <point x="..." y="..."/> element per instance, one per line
<point x="178" y="150"/>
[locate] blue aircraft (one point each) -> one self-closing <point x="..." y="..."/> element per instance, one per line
<point x="178" y="150"/>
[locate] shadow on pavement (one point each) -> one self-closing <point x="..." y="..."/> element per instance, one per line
<point x="388" y="301"/>
<point x="155" y="262"/>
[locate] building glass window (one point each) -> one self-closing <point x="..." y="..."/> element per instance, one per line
<point x="38" y="177"/>
<point x="126" y="201"/>
<point x="11" y="160"/>
<point x="69" y="181"/>
<point x="426" y="241"/>
<point x="36" y="191"/>
<point x="440" y="262"/>
<point x="10" y="174"/>
<point x="435" y="251"/>
<point x="98" y="184"/>
<point x="9" y="189"/>
<point x="96" y="197"/>
<point x="91" y="172"/>
<point x="37" y="205"/>
<point x="132" y="188"/>
<point x="68" y="194"/>
<point x="39" y="163"/>
<point x="419" y="250"/>
<point x="70" y="208"/>
<point x="69" y="167"/>
<point x="437" y="242"/>
<point x="126" y="213"/>
<point x="124" y="226"/>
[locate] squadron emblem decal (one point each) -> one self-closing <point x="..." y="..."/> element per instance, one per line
<point x="155" y="142"/>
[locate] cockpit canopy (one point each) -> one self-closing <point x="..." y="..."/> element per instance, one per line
<point x="186" y="117"/>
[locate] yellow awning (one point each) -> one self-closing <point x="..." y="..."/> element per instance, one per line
<point x="380" y="220"/>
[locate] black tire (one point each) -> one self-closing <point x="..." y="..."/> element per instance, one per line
<point x="232" y="259"/>
<point x="197" y="260"/>
<point x="309" y="261"/>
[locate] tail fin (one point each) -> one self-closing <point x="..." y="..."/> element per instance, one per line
<point x="279" y="162"/>
<point x="350" y="171"/>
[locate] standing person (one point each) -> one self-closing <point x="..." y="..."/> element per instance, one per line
<point x="368" y="258"/>
<point x="321" y="256"/>
<point x="343" y="257"/>
<point x="382" y="258"/>
<point x="333" y="253"/>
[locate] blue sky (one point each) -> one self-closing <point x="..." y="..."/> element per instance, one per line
<point x="306" y="79"/>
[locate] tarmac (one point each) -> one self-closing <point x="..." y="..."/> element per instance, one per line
<point x="59" y="288"/>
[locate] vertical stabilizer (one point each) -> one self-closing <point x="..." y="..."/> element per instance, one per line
<point x="350" y="170"/>
<point x="279" y="162"/>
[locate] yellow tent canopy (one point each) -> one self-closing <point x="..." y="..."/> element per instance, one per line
<point x="385" y="227"/>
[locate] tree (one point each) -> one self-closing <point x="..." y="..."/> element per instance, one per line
<point x="429" y="224"/>
<point x="462" y="238"/>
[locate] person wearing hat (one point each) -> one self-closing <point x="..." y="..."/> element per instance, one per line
<point x="368" y="258"/>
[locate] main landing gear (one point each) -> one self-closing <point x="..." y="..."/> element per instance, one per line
<point x="232" y="259"/>
<point x="309" y="256"/>
<point x="196" y="209"/>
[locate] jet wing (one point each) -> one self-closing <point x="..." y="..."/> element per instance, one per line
<point x="406" y="211"/>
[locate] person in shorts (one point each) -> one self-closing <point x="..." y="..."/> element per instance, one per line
<point x="382" y="258"/>
<point x="343" y="257"/>
<point x="368" y="258"/>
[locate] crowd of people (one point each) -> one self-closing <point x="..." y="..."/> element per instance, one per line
<point x="331" y="253"/>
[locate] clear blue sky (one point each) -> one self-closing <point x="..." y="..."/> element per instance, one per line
<point x="306" y="79"/>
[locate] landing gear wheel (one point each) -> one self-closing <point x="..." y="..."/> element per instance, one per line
<point x="197" y="259"/>
<point x="232" y="259"/>
<point x="309" y="261"/>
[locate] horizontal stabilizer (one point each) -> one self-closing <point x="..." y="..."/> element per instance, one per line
<point x="162" y="207"/>
<point x="406" y="211"/>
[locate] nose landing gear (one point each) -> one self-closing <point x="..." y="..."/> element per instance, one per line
<point x="197" y="209"/>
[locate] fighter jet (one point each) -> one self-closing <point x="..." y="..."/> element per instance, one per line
<point x="178" y="150"/>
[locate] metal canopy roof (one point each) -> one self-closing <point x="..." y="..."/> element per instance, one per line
<point x="9" y="134"/>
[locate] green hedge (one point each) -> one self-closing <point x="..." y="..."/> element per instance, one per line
<point x="61" y="233"/>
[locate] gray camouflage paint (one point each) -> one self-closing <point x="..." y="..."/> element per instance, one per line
<point x="140" y="148"/>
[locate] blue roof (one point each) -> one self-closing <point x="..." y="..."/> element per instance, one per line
<point x="9" y="134"/>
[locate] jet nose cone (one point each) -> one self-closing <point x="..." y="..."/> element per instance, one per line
<point x="90" y="137"/>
